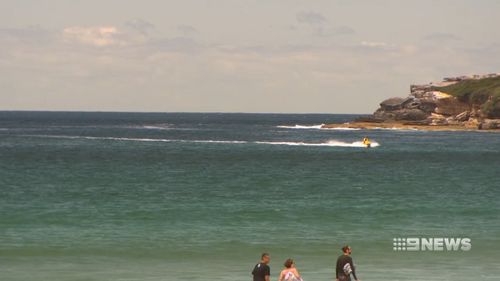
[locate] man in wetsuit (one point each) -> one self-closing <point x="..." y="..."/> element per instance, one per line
<point x="262" y="271"/>
<point x="345" y="267"/>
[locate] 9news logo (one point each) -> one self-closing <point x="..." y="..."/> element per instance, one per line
<point x="412" y="244"/>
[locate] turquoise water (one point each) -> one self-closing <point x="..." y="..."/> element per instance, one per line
<point x="177" y="196"/>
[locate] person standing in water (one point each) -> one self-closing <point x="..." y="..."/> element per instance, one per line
<point x="345" y="266"/>
<point x="290" y="273"/>
<point x="262" y="271"/>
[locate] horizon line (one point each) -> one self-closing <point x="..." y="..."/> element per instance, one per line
<point x="186" y="112"/>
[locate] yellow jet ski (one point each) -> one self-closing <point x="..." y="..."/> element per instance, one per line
<point x="367" y="142"/>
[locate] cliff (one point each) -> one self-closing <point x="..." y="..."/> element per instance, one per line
<point x="471" y="102"/>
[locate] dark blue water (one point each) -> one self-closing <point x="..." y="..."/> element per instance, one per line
<point x="178" y="196"/>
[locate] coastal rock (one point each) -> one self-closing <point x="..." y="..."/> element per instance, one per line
<point x="464" y="116"/>
<point x="437" y="119"/>
<point x="413" y="104"/>
<point x="489" y="124"/>
<point x="392" y="104"/>
<point x="400" y="115"/>
<point x="436" y="95"/>
<point x="411" y="115"/>
<point x="472" y="123"/>
<point x="421" y="106"/>
<point x="450" y="106"/>
<point x="430" y="104"/>
<point x="452" y="121"/>
<point x="427" y="105"/>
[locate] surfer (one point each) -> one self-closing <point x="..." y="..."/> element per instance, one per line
<point x="367" y="142"/>
<point x="290" y="273"/>
<point x="262" y="271"/>
<point x="345" y="266"/>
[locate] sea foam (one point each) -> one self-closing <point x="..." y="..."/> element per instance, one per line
<point x="302" y="126"/>
<point x="332" y="143"/>
<point x="316" y="127"/>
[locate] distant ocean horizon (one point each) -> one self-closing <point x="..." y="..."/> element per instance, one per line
<point x="178" y="112"/>
<point x="199" y="196"/>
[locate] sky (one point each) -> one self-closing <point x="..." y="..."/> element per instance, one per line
<point x="287" y="56"/>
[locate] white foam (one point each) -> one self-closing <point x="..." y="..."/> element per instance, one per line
<point x="331" y="143"/>
<point x="166" y="127"/>
<point x="99" y="138"/>
<point x="328" y="143"/>
<point x="155" y="128"/>
<point x="302" y="127"/>
<point x="318" y="127"/>
<point x="216" y="141"/>
<point x="396" y="129"/>
<point x="341" y="129"/>
<point x="350" y="144"/>
<point x="137" y="139"/>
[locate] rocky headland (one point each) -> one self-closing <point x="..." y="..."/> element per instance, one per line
<point x="455" y="103"/>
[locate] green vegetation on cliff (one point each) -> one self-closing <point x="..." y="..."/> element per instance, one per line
<point x="482" y="92"/>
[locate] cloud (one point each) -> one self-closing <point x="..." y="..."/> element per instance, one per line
<point x="344" y="30"/>
<point x="176" y="44"/>
<point x="187" y="30"/>
<point x="312" y="18"/>
<point x="140" y="25"/>
<point x="99" y="36"/>
<point x="373" y="44"/>
<point x="317" y="24"/>
<point x="441" y="37"/>
<point x="333" y="31"/>
<point x="31" y="34"/>
<point x="124" y="60"/>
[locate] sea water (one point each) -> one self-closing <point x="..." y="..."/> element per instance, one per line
<point x="193" y="196"/>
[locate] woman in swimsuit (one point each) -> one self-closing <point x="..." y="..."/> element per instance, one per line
<point x="290" y="273"/>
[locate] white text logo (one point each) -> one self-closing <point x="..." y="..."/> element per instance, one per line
<point x="431" y="244"/>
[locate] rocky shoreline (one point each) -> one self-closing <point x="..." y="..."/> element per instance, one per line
<point x="429" y="107"/>
<point x="403" y="126"/>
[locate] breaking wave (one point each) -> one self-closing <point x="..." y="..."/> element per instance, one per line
<point x="341" y="129"/>
<point x="316" y="127"/>
<point x="396" y="129"/>
<point x="301" y="127"/>
<point x="150" y="127"/>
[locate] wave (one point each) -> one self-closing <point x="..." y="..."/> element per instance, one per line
<point x="215" y="141"/>
<point x="396" y="129"/>
<point x="331" y="143"/>
<point x="166" y="128"/>
<point x="341" y="129"/>
<point x="80" y="127"/>
<point x="135" y="139"/>
<point x="317" y="127"/>
<point x="153" y="127"/>
<point x="301" y="127"/>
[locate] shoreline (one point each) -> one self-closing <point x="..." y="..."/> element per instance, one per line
<point x="403" y="126"/>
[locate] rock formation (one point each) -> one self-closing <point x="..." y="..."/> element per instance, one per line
<point x="426" y="105"/>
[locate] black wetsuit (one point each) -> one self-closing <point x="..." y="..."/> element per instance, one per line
<point x="341" y="262"/>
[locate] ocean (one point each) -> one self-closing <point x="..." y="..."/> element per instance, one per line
<point x="199" y="196"/>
